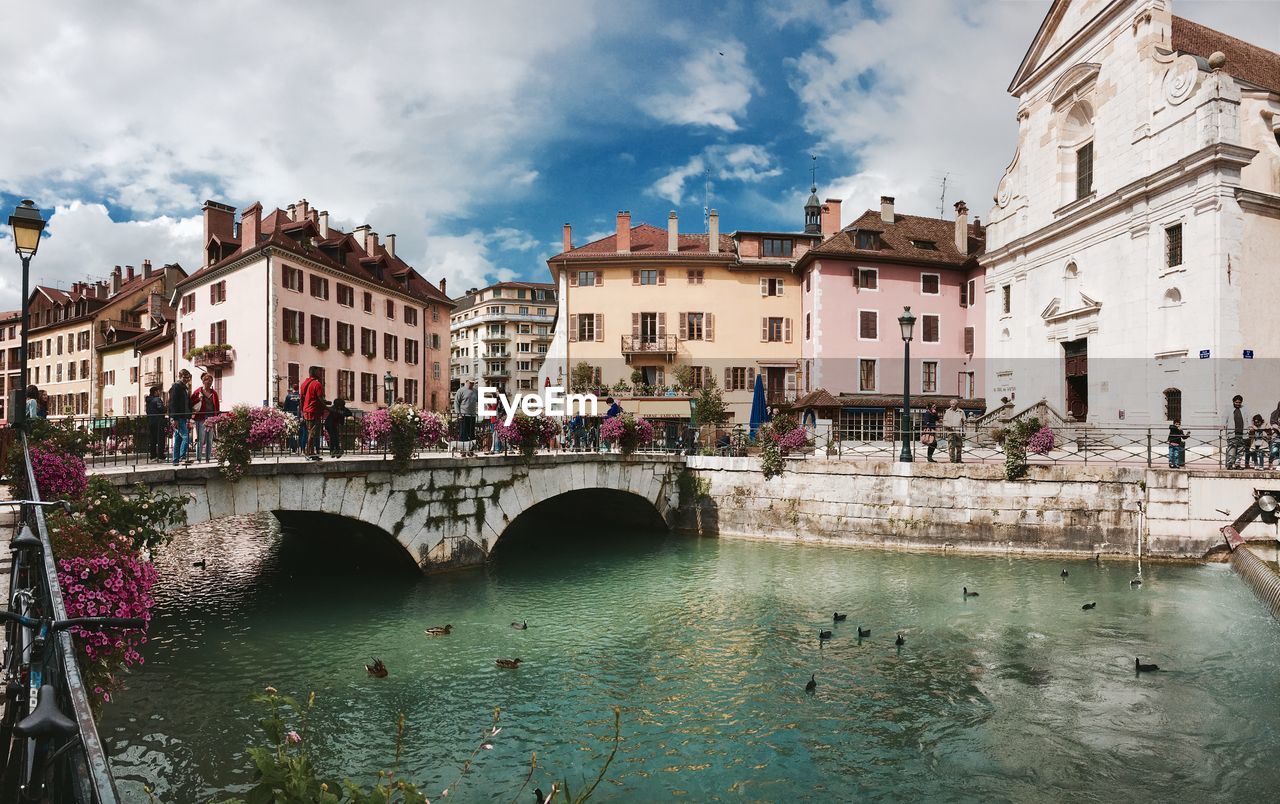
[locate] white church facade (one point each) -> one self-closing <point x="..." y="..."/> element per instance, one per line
<point x="1133" y="250"/>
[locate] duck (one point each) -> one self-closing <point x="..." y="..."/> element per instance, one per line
<point x="538" y="797"/>
<point x="813" y="683"/>
<point x="377" y="669"/>
<point x="1088" y="606"/>
<point x="524" y="626"/>
<point x="510" y="664"/>
<point x="1063" y="574"/>
<point x="900" y="641"/>
<point x="967" y="593"/>
<point x="1139" y="667"/>
<point x="1136" y="582"/>
<point x="838" y="617"/>
<point x="198" y="564"/>
<point x="439" y="630"/>
<point x="824" y="636"/>
<point x="863" y="633"/>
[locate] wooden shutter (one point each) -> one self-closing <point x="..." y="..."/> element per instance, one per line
<point x="786" y="330"/>
<point x="781" y="283"/>
<point x="964" y="294"/>
<point x="573" y="279"/>
<point x="728" y="379"/>
<point x="599" y="326"/>
<point x="684" y="326"/>
<point x="662" y="325"/>
<point x="764" y="286"/>
<point x="662" y="376"/>
<point x="635" y="326"/>
<point x="662" y="276"/>
<point x="635" y="276"/>
<point x="968" y="340"/>
<point x="791" y="380"/>
<point x="764" y="330"/>
<point x="708" y="326"/>
<point x="599" y="278"/>
<point x="751" y="377"/>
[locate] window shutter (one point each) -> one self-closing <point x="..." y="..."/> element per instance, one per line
<point x="684" y="326"/>
<point x="635" y="277"/>
<point x="705" y="378"/>
<point x="662" y="325"/>
<point x="968" y="340"/>
<point x="635" y="326"/>
<point x="781" y="282"/>
<point x="764" y="330"/>
<point x="662" y="276"/>
<point x="573" y="327"/>
<point x="599" y="326"/>
<point x="764" y="286"/>
<point x="786" y="330"/>
<point x="662" y="376"/>
<point x="964" y="294"/>
<point x="599" y="278"/>
<point x="751" y="378"/>
<point x="709" y="326"/>
<point x="728" y="379"/>
<point x="791" y="380"/>
<point x="573" y="279"/>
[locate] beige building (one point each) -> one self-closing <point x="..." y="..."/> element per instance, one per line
<point x="10" y="358"/>
<point x="134" y="358"/>
<point x="640" y="303"/>
<point x="499" y="334"/>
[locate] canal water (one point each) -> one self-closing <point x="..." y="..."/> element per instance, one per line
<point x="1015" y="695"/>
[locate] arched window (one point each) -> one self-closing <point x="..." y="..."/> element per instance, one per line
<point x="1173" y="404"/>
<point x="1172" y="297"/>
<point x="1072" y="271"/>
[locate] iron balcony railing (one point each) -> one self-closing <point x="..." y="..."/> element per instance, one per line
<point x="649" y="344"/>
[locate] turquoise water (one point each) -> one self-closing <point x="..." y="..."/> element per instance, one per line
<point x="1017" y="695"/>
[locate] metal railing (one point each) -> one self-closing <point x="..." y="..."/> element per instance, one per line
<point x="654" y="344"/>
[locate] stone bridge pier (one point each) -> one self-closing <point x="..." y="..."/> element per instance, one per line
<point x="443" y="512"/>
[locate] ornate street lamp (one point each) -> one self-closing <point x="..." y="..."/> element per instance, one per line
<point x="26" y="224"/>
<point x="388" y="385"/>
<point x="907" y="322"/>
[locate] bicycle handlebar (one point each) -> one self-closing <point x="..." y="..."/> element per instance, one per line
<point x="62" y="503"/>
<point x="75" y="622"/>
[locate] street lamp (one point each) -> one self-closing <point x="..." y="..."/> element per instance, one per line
<point x="26" y="224"/>
<point x="907" y="322"/>
<point x="388" y="385"/>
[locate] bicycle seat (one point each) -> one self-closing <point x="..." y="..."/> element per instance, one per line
<point x="25" y="540"/>
<point x="47" y="719"/>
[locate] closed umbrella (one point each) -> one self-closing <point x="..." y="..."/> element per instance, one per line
<point x="759" y="410"/>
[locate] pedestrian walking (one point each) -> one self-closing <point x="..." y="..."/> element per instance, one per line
<point x="293" y="406"/>
<point x="205" y="404"/>
<point x="180" y="412"/>
<point x="333" y="426"/>
<point x="156" y="410"/>
<point x="953" y="426"/>
<point x="465" y="405"/>
<point x="929" y="431"/>
<point x="313" y="411"/>
<point x="1234" y="431"/>
<point x="1177" y="445"/>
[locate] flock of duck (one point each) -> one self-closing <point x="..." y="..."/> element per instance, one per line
<point x="378" y="669"/>
<point x="865" y="633"/>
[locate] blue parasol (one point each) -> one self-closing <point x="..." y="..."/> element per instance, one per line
<point x="759" y="410"/>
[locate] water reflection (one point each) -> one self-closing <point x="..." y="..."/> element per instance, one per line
<point x="1016" y="695"/>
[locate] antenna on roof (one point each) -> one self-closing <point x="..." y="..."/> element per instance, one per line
<point x="813" y="171"/>
<point x="942" y="201"/>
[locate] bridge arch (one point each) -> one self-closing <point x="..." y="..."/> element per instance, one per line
<point x="579" y="513"/>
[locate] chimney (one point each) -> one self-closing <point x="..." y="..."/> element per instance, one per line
<point x="362" y="236"/>
<point x="146" y="269"/>
<point x="831" y="217"/>
<point x="115" y="281"/>
<point x="886" y="208"/>
<point x="624" y="232"/>
<point x="391" y="246"/>
<point x="304" y="210"/>
<point x="324" y="223"/>
<point x="250" y="226"/>
<point x="713" y="232"/>
<point x="220" y="220"/>
<point x="673" y="232"/>
<point x="442" y="284"/>
<point x="129" y="274"/>
<point x="154" y="301"/>
<point x="962" y="228"/>
<point x="568" y="238"/>
<point x="371" y="244"/>
<point x="293" y="212"/>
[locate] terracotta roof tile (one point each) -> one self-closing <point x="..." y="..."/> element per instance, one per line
<point x="1248" y="62"/>
<point x="650" y="240"/>
<point x="896" y="240"/>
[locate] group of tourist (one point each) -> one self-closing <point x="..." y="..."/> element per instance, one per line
<point x="952" y="428"/>
<point x="183" y="406"/>
<point x="1250" y="441"/>
<point x="37" y="403"/>
<point x="315" y="414"/>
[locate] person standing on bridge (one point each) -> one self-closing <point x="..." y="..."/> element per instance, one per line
<point x="180" y="412"/>
<point x="293" y="406"/>
<point x="205" y="403"/>
<point x="466" y="404"/>
<point x="313" y="411"/>
<point x="156" y="410"/>
<point x="953" y="424"/>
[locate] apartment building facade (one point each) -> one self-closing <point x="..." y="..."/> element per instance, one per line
<point x="284" y="292"/>
<point x="499" y="334"/>
<point x="10" y="358"/>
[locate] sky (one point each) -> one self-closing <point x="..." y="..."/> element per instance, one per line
<point x="474" y="131"/>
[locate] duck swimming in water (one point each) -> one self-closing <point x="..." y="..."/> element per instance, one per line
<point x="967" y="593"/>
<point x="510" y="664"/>
<point x="863" y="633"/>
<point x="813" y="683"/>
<point x="823" y="636"/>
<point x="900" y="641"/>
<point x="1139" y="667"/>
<point x="377" y="669"/>
<point x="439" y="630"/>
<point x="1088" y="606"/>
<point x="838" y="617"/>
<point x="520" y="626"/>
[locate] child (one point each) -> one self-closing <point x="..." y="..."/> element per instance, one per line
<point x="1259" y="440"/>
<point x="1177" y="445"/>
<point x="333" y="426"/>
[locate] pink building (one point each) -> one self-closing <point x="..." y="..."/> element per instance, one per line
<point x="854" y="287"/>
<point x="285" y="292"/>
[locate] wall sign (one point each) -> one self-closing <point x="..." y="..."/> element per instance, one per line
<point x="1204" y="354"/>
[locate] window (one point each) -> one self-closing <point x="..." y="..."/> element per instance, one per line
<point x="346" y="384"/>
<point x="368" y="342"/>
<point x="346" y="338"/>
<point x="411" y="315"/>
<point x="1084" y="170"/>
<point x="218" y="332"/>
<point x="1173" y="246"/>
<point x="586" y="278"/>
<point x="869" y="241"/>
<point x="524" y="311"/>
<point x="368" y="387"/>
<point x="1172" y="405"/>
<point x="649" y="276"/>
<point x="968" y="340"/>
<point x="929" y="328"/>
<point x="368" y="302"/>
<point x="775" y="330"/>
<point x="435" y="313"/>
<point x="967" y="293"/>
<point x="542" y="311"/>
<point x="434" y="340"/>
<point x="411" y="351"/>
<point x="930" y="284"/>
<point x="695" y="276"/>
<point x="319" y="287"/>
<point x="867" y="279"/>
<point x="71" y="372"/>
<point x="929" y="377"/>
<point x="346" y="295"/>
<point x="59" y="342"/>
<point x="739" y="378"/>
<point x="293" y="279"/>
<point x="391" y="309"/>
<point x="217" y="292"/>
<point x="866" y="375"/>
<point x="411" y="391"/>
<point x="133" y="374"/>
<point x="188" y="303"/>
<point x="188" y="343"/>
<point x="390" y="347"/>
<point x="925" y="245"/>
<point x="868" y="325"/>
<point x="771" y="287"/>
<point x="295" y="372"/>
<point x="586" y="327"/>
<point x="808" y="281"/>
<point x="777" y="247"/>
<point x="693" y="326"/>
<point x="435" y="370"/>
<point x="319" y="332"/>
<point x="293" y="324"/>
<point x="651" y="325"/>
<point x="808" y="326"/>
<point x="524" y="365"/>
<point x="524" y="346"/>
<point x="1006" y="299"/>
<point x="861" y="425"/>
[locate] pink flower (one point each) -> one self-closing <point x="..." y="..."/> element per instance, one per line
<point x="294" y="737"/>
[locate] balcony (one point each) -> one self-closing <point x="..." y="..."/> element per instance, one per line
<point x="496" y="374"/>
<point x="219" y="357"/>
<point x="776" y="396"/>
<point x="490" y="337"/>
<point x="153" y="378"/>
<point x="663" y="346"/>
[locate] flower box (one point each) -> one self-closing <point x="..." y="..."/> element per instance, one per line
<point x="214" y="358"/>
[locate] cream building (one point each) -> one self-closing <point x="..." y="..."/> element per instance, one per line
<point x="499" y="334"/>
<point x="1130" y="251"/>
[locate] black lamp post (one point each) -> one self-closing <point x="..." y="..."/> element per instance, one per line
<point x="388" y="385"/>
<point x="26" y="224"/>
<point x="907" y="322"/>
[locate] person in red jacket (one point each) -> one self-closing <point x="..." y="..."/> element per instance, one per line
<point x="313" y="411"/>
<point x="205" y="403"/>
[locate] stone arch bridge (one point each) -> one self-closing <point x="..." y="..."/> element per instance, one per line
<point x="444" y="512"/>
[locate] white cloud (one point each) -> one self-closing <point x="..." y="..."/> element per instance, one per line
<point x="467" y="260"/>
<point x="743" y="163"/>
<point x="713" y="89"/>
<point x="671" y="185"/>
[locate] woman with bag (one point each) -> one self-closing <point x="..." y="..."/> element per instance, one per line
<point x="929" y="430"/>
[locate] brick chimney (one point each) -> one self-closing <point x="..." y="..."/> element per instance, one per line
<point x="146" y="269"/>
<point x="220" y="220"/>
<point x="250" y="226"/>
<point x="624" y="232"/>
<point x="362" y="236"/>
<point x="567" y="242"/>
<point x="115" y="280"/>
<point x="442" y="284"/>
<point x="962" y="228"/>
<point x="390" y="246"/>
<point x="830" y="217"/>
<point x="673" y="232"/>
<point x="304" y="210"/>
<point x="713" y="232"/>
<point x="324" y="223"/>
<point x="154" y="302"/>
<point x="371" y="244"/>
<point x="129" y="273"/>
<point x="886" y="208"/>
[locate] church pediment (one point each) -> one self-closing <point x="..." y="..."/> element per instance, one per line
<point x="1065" y="21"/>
<point x="1074" y="82"/>
<point x="1055" y="311"/>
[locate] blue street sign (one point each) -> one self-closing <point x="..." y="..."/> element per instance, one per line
<point x="1248" y="354"/>
<point x="1204" y="354"/>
